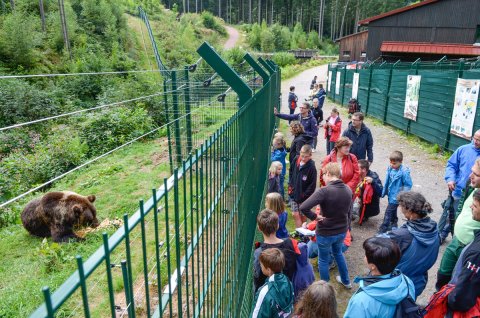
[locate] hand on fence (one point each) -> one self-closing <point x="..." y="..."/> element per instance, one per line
<point x="275" y="111"/>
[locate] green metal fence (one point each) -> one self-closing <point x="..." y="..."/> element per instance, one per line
<point x="382" y="90"/>
<point x="187" y="251"/>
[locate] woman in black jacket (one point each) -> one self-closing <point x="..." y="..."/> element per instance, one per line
<point x="300" y="139"/>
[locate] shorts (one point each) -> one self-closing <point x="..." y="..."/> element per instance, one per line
<point x="294" y="206"/>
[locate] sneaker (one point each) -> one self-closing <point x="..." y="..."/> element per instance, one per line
<point x="314" y="150"/>
<point x="349" y="286"/>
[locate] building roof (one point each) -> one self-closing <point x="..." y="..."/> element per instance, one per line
<point x="350" y="35"/>
<point x="430" y="48"/>
<point x="396" y="11"/>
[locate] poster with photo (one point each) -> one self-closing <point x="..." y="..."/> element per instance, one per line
<point x="464" y="108"/>
<point x="411" y="98"/>
<point x="329" y="81"/>
<point x="337" y="83"/>
<point x="355" y="82"/>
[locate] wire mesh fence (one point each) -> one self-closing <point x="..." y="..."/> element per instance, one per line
<point x="382" y="93"/>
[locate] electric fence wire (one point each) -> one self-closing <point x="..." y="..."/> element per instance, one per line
<point x="101" y="156"/>
<point x="76" y="74"/>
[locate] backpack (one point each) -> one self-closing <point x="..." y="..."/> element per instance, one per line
<point x="407" y="308"/>
<point x="353" y="106"/>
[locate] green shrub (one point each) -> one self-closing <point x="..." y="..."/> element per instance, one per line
<point x="17" y="140"/>
<point x="267" y="41"/>
<point x="313" y="41"/>
<point x="104" y="131"/>
<point x="210" y="22"/>
<point x="281" y="36"/>
<point x="254" y="37"/>
<point x="234" y="56"/>
<point x="283" y="58"/>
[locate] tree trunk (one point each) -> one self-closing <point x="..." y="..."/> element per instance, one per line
<point x="259" y="11"/>
<point x="42" y="14"/>
<point x="12" y="5"/>
<point x="271" y="15"/>
<point x="343" y="18"/>
<point x="250" y="11"/>
<point x="219" y="8"/>
<point x="320" y="20"/>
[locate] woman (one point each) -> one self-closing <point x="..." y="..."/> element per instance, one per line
<point x="384" y="286"/>
<point x="418" y="239"/>
<point x="333" y="127"/>
<point x="317" y="301"/>
<point x="300" y="139"/>
<point x="341" y="154"/>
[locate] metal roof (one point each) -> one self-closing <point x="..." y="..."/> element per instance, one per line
<point x="430" y="48"/>
<point x="396" y="11"/>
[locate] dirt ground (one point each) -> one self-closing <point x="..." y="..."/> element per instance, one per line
<point x="426" y="171"/>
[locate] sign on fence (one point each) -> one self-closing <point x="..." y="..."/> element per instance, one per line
<point x="337" y="83"/>
<point x="463" y="117"/>
<point x="356" y="79"/>
<point x="411" y="98"/>
<point x="329" y="80"/>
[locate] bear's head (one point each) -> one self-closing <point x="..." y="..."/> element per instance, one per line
<point x="84" y="210"/>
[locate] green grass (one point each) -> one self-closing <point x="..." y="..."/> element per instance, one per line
<point x="290" y="71"/>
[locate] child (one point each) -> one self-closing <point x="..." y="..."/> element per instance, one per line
<point x="304" y="275"/>
<point x="279" y="153"/>
<point x="333" y="127"/>
<point x="275" y="297"/>
<point x="317" y="301"/>
<point x="267" y="222"/>
<point x="274" y="202"/>
<point x="292" y="100"/>
<point x="397" y="180"/>
<point x="274" y="173"/>
<point x="303" y="182"/>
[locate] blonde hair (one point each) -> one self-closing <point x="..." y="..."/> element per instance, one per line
<point x="278" y="142"/>
<point x="318" y="301"/>
<point x="274" y="166"/>
<point x="274" y="202"/>
<point x="333" y="169"/>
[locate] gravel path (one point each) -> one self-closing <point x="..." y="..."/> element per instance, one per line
<point x="426" y="171"/>
<point x="232" y="37"/>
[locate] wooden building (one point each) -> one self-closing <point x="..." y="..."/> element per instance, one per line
<point x="429" y="29"/>
<point x="353" y="47"/>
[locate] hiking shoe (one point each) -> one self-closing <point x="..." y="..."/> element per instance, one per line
<point x="339" y="279"/>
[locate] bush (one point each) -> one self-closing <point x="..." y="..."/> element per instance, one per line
<point x="281" y="36"/>
<point x="283" y="58"/>
<point x="254" y="37"/>
<point x="210" y="22"/>
<point x="267" y="41"/>
<point x="234" y="56"/>
<point x="112" y="128"/>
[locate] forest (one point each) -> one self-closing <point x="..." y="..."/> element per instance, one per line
<point x="329" y="18"/>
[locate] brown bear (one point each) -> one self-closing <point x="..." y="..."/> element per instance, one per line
<point x="57" y="213"/>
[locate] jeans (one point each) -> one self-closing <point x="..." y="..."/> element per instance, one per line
<point x="330" y="145"/>
<point x="390" y="218"/>
<point x="328" y="245"/>
<point x="282" y="185"/>
<point x="314" y="144"/>
<point x="313" y="249"/>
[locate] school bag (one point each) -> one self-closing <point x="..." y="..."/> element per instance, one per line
<point x="353" y="106"/>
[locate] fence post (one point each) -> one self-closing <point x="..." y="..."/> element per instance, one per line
<point x="176" y="112"/>
<point x="387" y="97"/>
<point x="167" y="118"/>
<point x="461" y="67"/>
<point x="369" y="87"/>
<point x="266" y="65"/>
<point x="188" y="116"/>
<point x="247" y="57"/>
<point x="226" y="72"/>
<point x="343" y="84"/>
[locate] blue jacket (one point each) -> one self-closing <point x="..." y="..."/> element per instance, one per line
<point x="459" y="167"/>
<point x="304" y="276"/>
<point x="309" y="122"/>
<point x="280" y="155"/>
<point x="401" y="182"/>
<point x="379" y="299"/>
<point x="362" y="142"/>
<point x="321" y="95"/>
<point x="419" y="243"/>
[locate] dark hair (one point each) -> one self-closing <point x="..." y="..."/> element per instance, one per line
<point x="476" y="195"/>
<point x="297" y="128"/>
<point x="359" y="115"/>
<point x="267" y="221"/>
<point x="292" y="88"/>
<point x="364" y="164"/>
<point x="318" y="301"/>
<point x="335" y="110"/>
<point x="273" y="259"/>
<point x="396" y="156"/>
<point x="383" y="253"/>
<point x="320" y="85"/>
<point x="414" y="202"/>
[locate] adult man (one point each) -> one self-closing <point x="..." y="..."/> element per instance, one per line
<point x="466" y="276"/>
<point x="361" y="137"/>
<point x="369" y="182"/>
<point x="458" y="170"/>
<point x="317" y="112"/>
<point x="464" y="229"/>
<point x="335" y="201"/>
<point x="305" y="118"/>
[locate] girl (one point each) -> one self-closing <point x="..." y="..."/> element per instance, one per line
<point x="274" y="177"/>
<point x="279" y="153"/>
<point x="274" y="201"/>
<point x="317" y="301"/>
<point x="333" y="127"/>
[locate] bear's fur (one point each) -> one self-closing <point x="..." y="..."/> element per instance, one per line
<point x="57" y="213"/>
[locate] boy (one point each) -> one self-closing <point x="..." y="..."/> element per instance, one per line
<point x="275" y="297"/>
<point x="397" y="180"/>
<point x="267" y="222"/>
<point x="303" y="182"/>
<point x="292" y="100"/>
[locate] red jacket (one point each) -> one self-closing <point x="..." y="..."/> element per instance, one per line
<point x="336" y="129"/>
<point x="350" y="171"/>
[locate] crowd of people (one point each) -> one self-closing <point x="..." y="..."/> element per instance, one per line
<point x="397" y="258"/>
